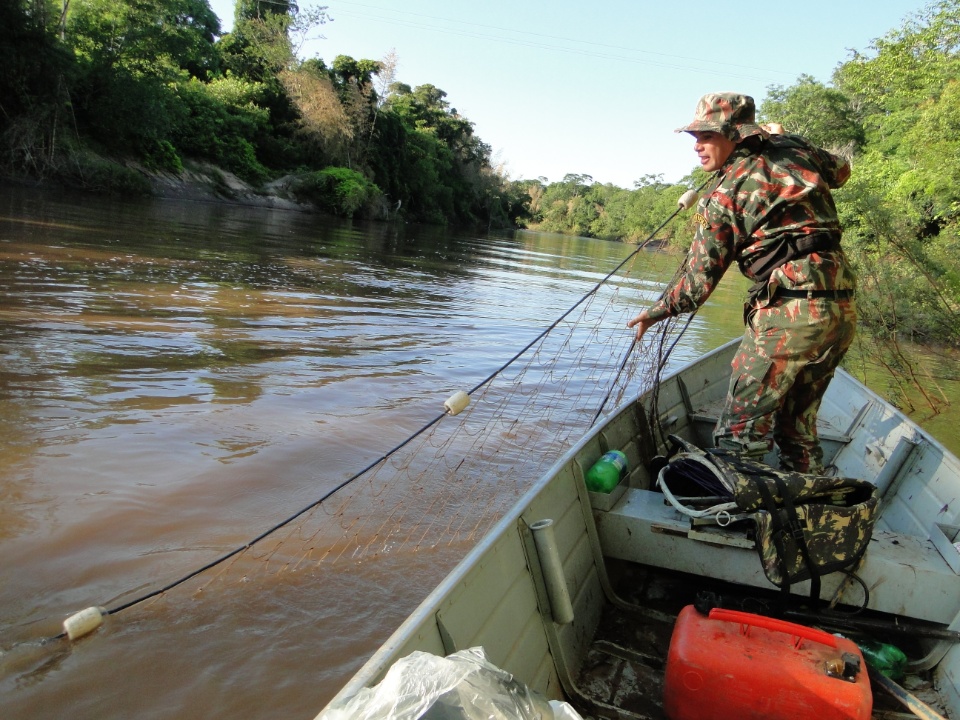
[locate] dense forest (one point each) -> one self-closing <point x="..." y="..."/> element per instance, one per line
<point x="91" y="86"/>
<point x="96" y="91"/>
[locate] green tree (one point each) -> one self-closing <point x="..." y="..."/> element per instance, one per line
<point x="33" y="88"/>
<point x="819" y="113"/>
<point x="219" y="122"/>
<point x="262" y="49"/>
<point x="129" y="55"/>
<point x="906" y="68"/>
<point x="440" y="161"/>
<point x="353" y="80"/>
<point x="932" y="146"/>
<point x="900" y="206"/>
<point x="564" y="206"/>
<point x="651" y="203"/>
<point x="152" y="37"/>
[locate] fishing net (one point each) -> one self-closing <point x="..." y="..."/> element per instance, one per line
<point x="451" y="483"/>
<point x="446" y="485"/>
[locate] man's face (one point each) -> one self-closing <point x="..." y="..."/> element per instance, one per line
<point x="713" y="149"/>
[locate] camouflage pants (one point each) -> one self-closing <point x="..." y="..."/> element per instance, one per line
<point x="786" y="359"/>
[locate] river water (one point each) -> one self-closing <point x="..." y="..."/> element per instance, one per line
<point x="178" y="378"/>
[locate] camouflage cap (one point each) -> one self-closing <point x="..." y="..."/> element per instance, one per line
<point x="730" y="114"/>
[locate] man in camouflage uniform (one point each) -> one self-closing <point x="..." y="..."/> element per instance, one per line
<point x="769" y="208"/>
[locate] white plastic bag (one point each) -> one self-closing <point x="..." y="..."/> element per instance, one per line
<point x="461" y="686"/>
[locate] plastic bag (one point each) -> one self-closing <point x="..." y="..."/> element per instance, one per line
<point x="461" y="686"/>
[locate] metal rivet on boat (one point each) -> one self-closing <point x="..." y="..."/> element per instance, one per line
<point x="83" y="622"/>
<point x="456" y="403"/>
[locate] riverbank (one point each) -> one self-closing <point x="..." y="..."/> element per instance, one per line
<point x="198" y="181"/>
<point x="203" y="181"/>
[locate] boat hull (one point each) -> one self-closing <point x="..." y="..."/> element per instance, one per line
<point x="497" y="597"/>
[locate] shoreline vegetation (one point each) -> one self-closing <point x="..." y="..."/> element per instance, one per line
<point x="152" y="98"/>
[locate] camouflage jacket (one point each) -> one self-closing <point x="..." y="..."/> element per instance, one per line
<point x="756" y="199"/>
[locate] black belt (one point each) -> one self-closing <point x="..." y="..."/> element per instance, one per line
<point x="832" y="294"/>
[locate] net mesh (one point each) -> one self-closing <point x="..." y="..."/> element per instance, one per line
<point x="452" y="483"/>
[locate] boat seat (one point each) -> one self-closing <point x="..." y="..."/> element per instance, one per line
<point x="906" y="575"/>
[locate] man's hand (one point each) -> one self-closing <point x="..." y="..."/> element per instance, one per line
<point x="642" y="322"/>
<point x="773" y="128"/>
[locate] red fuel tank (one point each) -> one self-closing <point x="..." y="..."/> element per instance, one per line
<point x="733" y="665"/>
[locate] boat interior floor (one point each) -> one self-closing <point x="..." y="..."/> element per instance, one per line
<point x="622" y="674"/>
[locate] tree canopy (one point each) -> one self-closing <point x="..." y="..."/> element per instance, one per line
<point x="157" y="81"/>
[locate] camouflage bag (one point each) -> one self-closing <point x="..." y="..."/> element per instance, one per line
<point x="806" y="525"/>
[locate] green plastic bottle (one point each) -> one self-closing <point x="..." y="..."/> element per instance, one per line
<point x="606" y="472"/>
<point x="887" y="659"/>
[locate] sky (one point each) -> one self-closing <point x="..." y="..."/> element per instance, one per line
<point x="559" y="87"/>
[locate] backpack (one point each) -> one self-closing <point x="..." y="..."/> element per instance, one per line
<point x="806" y="525"/>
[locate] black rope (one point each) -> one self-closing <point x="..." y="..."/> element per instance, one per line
<point x="265" y="533"/>
<point x="626" y="355"/>
<point x="388" y="454"/>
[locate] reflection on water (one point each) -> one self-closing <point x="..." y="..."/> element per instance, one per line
<point x="175" y="378"/>
<point x="924" y="383"/>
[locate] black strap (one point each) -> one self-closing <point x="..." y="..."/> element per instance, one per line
<point x="796" y="532"/>
<point x="831" y="294"/>
<point x="781" y="251"/>
<point x="786" y="248"/>
<point x="777" y="528"/>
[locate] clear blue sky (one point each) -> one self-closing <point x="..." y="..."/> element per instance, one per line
<point x="558" y="87"/>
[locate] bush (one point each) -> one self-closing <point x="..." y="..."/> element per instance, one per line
<point x="340" y="191"/>
<point x="239" y="156"/>
<point x="162" y="156"/>
<point x="87" y="171"/>
<point x="219" y="123"/>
